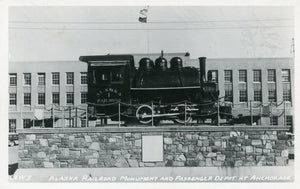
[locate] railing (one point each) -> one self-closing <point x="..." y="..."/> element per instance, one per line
<point x="82" y="112"/>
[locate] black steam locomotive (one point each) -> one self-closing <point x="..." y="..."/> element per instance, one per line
<point x="153" y="91"/>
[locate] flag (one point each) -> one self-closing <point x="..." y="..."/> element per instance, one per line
<point x="143" y="15"/>
<point x="39" y="114"/>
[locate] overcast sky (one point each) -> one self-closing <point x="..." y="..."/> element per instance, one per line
<point x="65" y="33"/>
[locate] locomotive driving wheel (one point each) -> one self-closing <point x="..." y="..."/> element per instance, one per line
<point x="185" y="115"/>
<point x="144" y="114"/>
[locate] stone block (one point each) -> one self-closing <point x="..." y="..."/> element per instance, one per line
<point x="64" y="152"/>
<point x="178" y="164"/>
<point x="238" y="163"/>
<point x="96" y="155"/>
<point x="180" y="158"/>
<point x="44" y="142"/>
<point x="116" y="152"/>
<point x="211" y="154"/>
<point x="258" y="150"/>
<point x="26" y="164"/>
<point x="224" y="144"/>
<point x="149" y="164"/>
<point x="74" y="153"/>
<point x="264" y="137"/>
<point x="92" y="161"/>
<point x="234" y="134"/>
<point x="121" y="162"/>
<point x="192" y="163"/>
<point x="28" y="142"/>
<point x="127" y="156"/>
<point x="203" y="149"/>
<point x="201" y="164"/>
<point x="195" y="137"/>
<point x="200" y="156"/>
<point x="87" y="138"/>
<point x="285" y="153"/>
<point x="52" y="156"/>
<point x="30" y="137"/>
<point x="94" y="146"/>
<point x="41" y="155"/>
<point x="268" y="146"/>
<point x="199" y="143"/>
<point x="191" y="148"/>
<point x="240" y="154"/>
<point x="205" y="142"/>
<point x="188" y="137"/>
<point x="127" y="135"/>
<point x="256" y="142"/>
<point x="138" y="143"/>
<point x="185" y="149"/>
<point x="266" y="151"/>
<point x="71" y="137"/>
<point x="273" y="137"/>
<point x="112" y="140"/>
<point x="203" y="137"/>
<point x="208" y="162"/>
<point x="48" y="165"/>
<point x="221" y="157"/>
<point x="168" y="141"/>
<point x="249" y="149"/>
<point x="218" y="143"/>
<point x="217" y="163"/>
<point x="133" y="162"/>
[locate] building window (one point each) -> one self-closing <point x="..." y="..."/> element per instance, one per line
<point x="228" y="75"/>
<point x="285" y="75"/>
<point x="41" y="78"/>
<point x="272" y="75"/>
<point x="257" y="92"/>
<point x="55" y="98"/>
<point x="27" y="98"/>
<point x="83" y="97"/>
<point x="83" y="122"/>
<point x="289" y="120"/>
<point x="243" y="92"/>
<point x="272" y="92"/>
<point x="26" y="123"/>
<point x="70" y="78"/>
<point x="69" y="122"/>
<point x="228" y="93"/>
<point x="83" y="78"/>
<point x="12" y="125"/>
<point x="13" y="79"/>
<point x="55" y="78"/>
<point x="70" y="98"/>
<point x="274" y="120"/>
<point x="12" y="98"/>
<point x="286" y="87"/>
<point x="256" y="75"/>
<point x="242" y="75"/>
<point x="213" y="76"/>
<point x="41" y="98"/>
<point x="27" y="78"/>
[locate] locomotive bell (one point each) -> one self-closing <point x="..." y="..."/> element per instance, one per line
<point x="146" y="64"/>
<point x="176" y="63"/>
<point x="161" y="64"/>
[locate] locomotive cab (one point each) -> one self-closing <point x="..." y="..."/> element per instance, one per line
<point x="109" y="81"/>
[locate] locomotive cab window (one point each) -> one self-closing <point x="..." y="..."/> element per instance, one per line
<point x="117" y="76"/>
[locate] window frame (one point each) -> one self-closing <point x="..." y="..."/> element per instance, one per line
<point x="67" y="98"/>
<point x="70" y="78"/>
<point x="55" y="81"/>
<point x="41" y="78"/>
<point x="41" y="98"/>
<point x="83" y="78"/>
<point x="12" y="99"/>
<point x="55" y="98"/>
<point x="13" y="79"/>
<point x="25" y="99"/>
<point x="27" y="80"/>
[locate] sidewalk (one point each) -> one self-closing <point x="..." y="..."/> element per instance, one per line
<point x="158" y="174"/>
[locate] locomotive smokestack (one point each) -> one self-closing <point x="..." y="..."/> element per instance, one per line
<point x="162" y="54"/>
<point x="202" y="62"/>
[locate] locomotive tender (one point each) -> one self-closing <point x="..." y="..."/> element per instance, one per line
<point x="153" y="91"/>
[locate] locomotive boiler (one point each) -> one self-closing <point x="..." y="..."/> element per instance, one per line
<point x="155" y="90"/>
